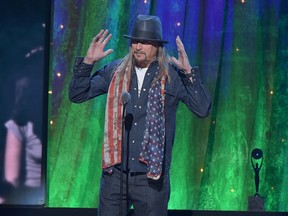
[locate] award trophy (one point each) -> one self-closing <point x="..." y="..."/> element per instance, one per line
<point x="256" y="203"/>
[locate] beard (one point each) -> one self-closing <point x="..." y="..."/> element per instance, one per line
<point x="140" y="58"/>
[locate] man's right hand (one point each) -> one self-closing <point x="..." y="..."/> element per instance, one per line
<point x="96" y="49"/>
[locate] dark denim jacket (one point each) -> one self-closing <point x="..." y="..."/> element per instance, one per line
<point x="194" y="94"/>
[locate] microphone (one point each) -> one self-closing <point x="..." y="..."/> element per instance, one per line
<point x="125" y="97"/>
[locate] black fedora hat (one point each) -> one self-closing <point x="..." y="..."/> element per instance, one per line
<point x="147" y="27"/>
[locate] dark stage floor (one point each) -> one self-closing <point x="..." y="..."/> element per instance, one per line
<point x="37" y="211"/>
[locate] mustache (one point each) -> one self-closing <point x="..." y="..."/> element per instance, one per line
<point x="139" y="52"/>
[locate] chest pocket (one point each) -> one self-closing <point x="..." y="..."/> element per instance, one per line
<point x="170" y="95"/>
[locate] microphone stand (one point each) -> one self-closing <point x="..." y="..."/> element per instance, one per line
<point x="122" y="155"/>
<point x="125" y="97"/>
<point x="128" y="126"/>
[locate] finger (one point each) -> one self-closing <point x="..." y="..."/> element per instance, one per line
<point x="97" y="37"/>
<point x="176" y="61"/>
<point x="103" y="36"/>
<point x="180" y="45"/>
<point x="107" y="52"/>
<point x="179" y="42"/>
<point x="107" y="39"/>
<point x="182" y="54"/>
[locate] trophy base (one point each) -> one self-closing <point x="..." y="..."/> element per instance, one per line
<point x="256" y="203"/>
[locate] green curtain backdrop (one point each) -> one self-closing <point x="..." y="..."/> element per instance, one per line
<point x="241" y="47"/>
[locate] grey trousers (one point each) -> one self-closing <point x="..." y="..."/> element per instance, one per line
<point x="148" y="197"/>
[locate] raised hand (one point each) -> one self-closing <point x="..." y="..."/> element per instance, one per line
<point x="96" y="49"/>
<point x="182" y="62"/>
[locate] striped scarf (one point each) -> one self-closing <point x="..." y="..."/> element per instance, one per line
<point x="112" y="146"/>
<point x="152" y="148"/>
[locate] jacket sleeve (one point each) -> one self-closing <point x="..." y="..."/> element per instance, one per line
<point x="83" y="86"/>
<point x="194" y="93"/>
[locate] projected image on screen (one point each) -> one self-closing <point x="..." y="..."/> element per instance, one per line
<point x="22" y="96"/>
<point x="23" y="145"/>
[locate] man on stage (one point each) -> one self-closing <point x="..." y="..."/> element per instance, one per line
<point x="152" y="84"/>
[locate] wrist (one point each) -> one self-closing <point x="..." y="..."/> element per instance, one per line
<point x="88" y="60"/>
<point x="187" y="70"/>
<point x="188" y="73"/>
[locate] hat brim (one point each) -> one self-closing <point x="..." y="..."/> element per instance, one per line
<point x="145" y="39"/>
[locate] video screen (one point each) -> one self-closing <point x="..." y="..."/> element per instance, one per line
<point x="23" y="102"/>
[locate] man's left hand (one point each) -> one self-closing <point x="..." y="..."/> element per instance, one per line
<point x="182" y="62"/>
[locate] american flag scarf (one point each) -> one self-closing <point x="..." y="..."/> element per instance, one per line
<point x="152" y="148"/>
<point x="112" y="146"/>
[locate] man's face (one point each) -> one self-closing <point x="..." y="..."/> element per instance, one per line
<point x="144" y="52"/>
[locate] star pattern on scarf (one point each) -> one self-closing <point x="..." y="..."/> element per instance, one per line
<point x="152" y="151"/>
